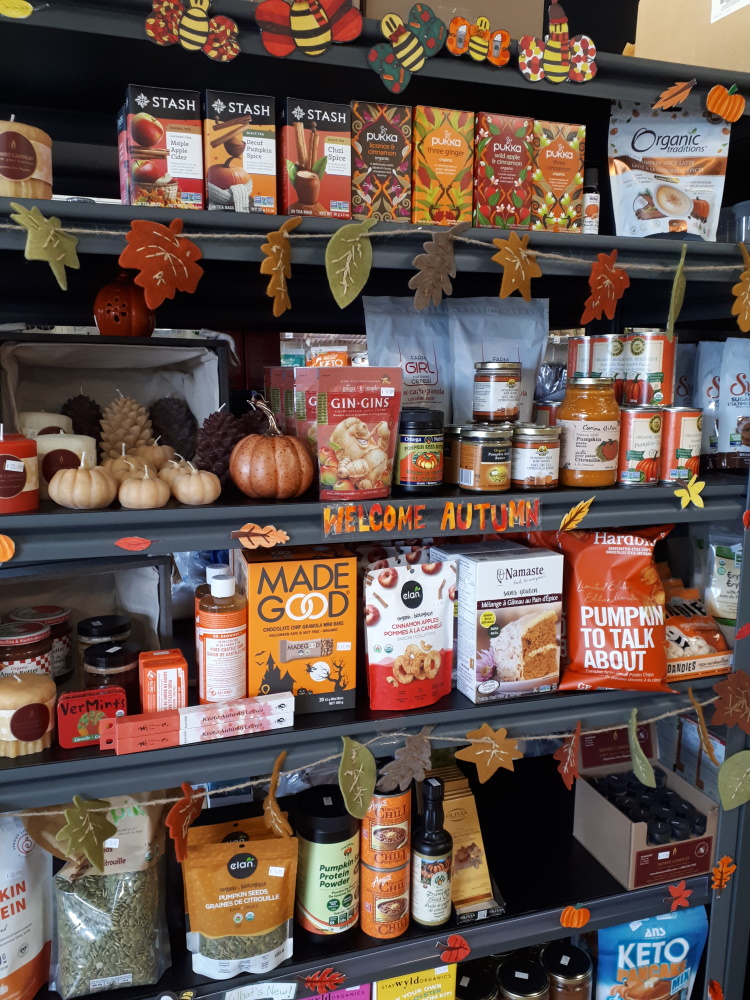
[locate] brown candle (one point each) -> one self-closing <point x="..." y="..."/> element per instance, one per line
<point x="25" y="161"/>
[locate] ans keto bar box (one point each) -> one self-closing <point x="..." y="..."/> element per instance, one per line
<point x="316" y="154"/>
<point x="239" y="147"/>
<point x="160" y="148"/>
<point x="557" y="178"/>
<point x="442" y="167"/>
<point x="381" y="162"/>
<point x="502" y="171"/>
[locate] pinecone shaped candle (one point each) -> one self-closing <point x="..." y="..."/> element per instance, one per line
<point x="172" y="420"/>
<point x="124" y="422"/>
<point x="85" y="413"/>
<point x="219" y="434"/>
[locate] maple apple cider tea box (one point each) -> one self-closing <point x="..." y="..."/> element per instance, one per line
<point x="316" y="159"/>
<point x="381" y="162"/>
<point x="557" y="178"/>
<point x="442" y="167"/>
<point x="239" y="148"/>
<point x="502" y="171"/>
<point x="160" y="148"/>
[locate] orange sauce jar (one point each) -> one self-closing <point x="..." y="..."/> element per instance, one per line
<point x="589" y="419"/>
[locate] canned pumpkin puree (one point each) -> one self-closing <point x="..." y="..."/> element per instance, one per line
<point x="384" y="901"/>
<point x="641" y="363"/>
<point x="639" y="458"/>
<point x="681" y="444"/>
<point x="385" y="834"/>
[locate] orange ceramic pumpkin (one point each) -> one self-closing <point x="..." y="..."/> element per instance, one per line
<point x="271" y="466"/>
<point x="727" y="104"/>
<point x="120" y="309"/>
<point x="575" y="916"/>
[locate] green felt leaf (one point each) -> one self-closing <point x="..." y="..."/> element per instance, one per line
<point x="641" y="764"/>
<point x="734" y="780"/>
<point x="85" y="831"/>
<point x="357" y="777"/>
<point x="348" y="261"/>
<point x="678" y="294"/>
<point x="291" y="169"/>
<point x="47" y="240"/>
<point x="319" y="167"/>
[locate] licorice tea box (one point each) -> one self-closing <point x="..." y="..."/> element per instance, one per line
<point x="381" y="161"/>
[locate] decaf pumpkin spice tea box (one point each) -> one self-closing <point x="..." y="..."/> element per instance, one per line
<point x="381" y="161"/>
<point x="443" y="163"/>
<point x="502" y="171"/>
<point x="239" y="148"/>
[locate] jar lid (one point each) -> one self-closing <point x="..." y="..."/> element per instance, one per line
<point x="492" y="432"/>
<point x="680" y="409"/>
<point x="497" y="366"/>
<point x="588" y="381"/>
<point x="106" y="655"/>
<point x="637" y="407"/>
<point x="421" y="416"/>
<point x="643" y="329"/>
<point x="522" y="979"/>
<point x="321" y="816"/>
<point x="455" y="428"/>
<point x="547" y="402"/>
<point x="473" y="982"/>
<point x="103" y="626"/>
<point x="48" y="614"/>
<point x="536" y="430"/>
<point x="22" y="633"/>
<point x="566" y="963"/>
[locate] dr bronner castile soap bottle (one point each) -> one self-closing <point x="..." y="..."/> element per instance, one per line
<point x="431" y="861"/>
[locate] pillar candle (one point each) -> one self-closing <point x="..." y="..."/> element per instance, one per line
<point x="25" y="161"/>
<point x="63" y="451"/>
<point x="19" y="474"/>
<point x="33" y="422"/>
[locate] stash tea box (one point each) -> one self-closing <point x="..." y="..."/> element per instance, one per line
<point x="316" y="159"/>
<point x="160" y="148"/>
<point x="502" y="171"/>
<point x="239" y="148"/>
<point x="381" y="162"/>
<point x="442" y="168"/>
<point x="557" y="179"/>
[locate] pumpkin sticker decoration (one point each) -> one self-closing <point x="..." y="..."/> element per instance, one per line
<point x="727" y="104"/>
<point x="174" y="22"/>
<point x="576" y="916"/>
<point x="311" y="26"/>
<point x="558" y="57"/>
<point x="478" y="41"/>
<point x="408" y="46"/>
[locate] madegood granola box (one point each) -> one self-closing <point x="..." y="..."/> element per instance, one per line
<point x="557" y="180"/>
<point x="502" y="171"/>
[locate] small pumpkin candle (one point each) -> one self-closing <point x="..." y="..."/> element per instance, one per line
<point x="19" y="473"/>
<point x="25" y="161"/>
<point x="62" y="451"/>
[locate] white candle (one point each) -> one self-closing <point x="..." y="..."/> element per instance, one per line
<point x="33" y="422"/>
<point x="63" y="451"/>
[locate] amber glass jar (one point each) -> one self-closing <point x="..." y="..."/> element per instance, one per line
<point x="569" y="971"/>
<point x="58" y="620"/>
<point x="535" y="457"/>
<point x="497" y="391"/>
<point x="25" y="648"/>
<point x="105" y="664"/>
<point x="589" y="419"/>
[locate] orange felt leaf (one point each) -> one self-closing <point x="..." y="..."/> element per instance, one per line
<point x="607" y="283"/>
<point x="674" y="95"/>
<point x="252" y="536"/>
<point x="132" y="543"/>
<point x="490" y="751"/>
<point x="278" y="265"/>
<point x="324" y="981"/>
<point x="746" y="519"/>
<point x="167" y="262"/>
<point x="518" y="263"/>
<point x="567" y="755"/>
<point x="679" y="894"/>
<point x="742" y="632"/>
<point x="722" y="872"/>
<point x="705" y="739"/>
<point x="733" y="706"/>
<point x="181" y="817"/>
<point x="741" y="292"/>
<point x="456" y="949"/>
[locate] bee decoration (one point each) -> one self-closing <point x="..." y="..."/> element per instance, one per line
<point x="479" y="41"/>
<point x="308" y="25"/>
<point x="559" y="57"/>
<point x="187" y="23"/>
<point x="408" y="46"/>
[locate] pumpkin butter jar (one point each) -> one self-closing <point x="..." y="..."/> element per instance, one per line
<point x="569" y="971"/>
<point x="484" y="462"/>
<point x="102" y="628"/>
<point x="589" y="419"/>
<point x="535" y="457"/>
<point x="521" y="978"/>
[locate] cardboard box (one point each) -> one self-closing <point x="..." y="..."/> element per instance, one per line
<point x="381" y="162"/>
<point x="432" y="984"/>
<point x="558" y="172"/>
<point x="618" y="843"/>
<point x="692" y="38"/>
<point x="315" y="176"/>
<point x="240" y="157"/>
<point x="442" y="166"/>
<point x="518" y="17"/>
<point x="680" y="749"/>
<point x="502" y="171"/>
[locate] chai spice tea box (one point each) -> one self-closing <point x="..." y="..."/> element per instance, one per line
<point x="316" y="159"/>
<point x="442" y="168"/>
<point x="381" y="162"/>
<point x="557" y="180"/>
<point x="502" y="171"/>
<point x="239" y="148"/>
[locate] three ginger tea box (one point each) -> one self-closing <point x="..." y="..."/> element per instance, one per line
<point x="557" y="179"/>
<point x="443" y="164"/>
<point x="502" y="171"/>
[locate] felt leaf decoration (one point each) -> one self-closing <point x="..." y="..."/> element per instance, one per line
<point x="678" y="294"/>
<point x="742" y="632"/>
<point x="324" y="981"/>
<point x="490" y="751"/>
<point x="132" y="543"/>
<point x="47" y="240"/>
<point x="278" y="265"/>
<point x="607" y="283"/>
<point x="576" y="514"/>
<point x="706" y="744"/>
<point x="273" y="817"/>
<point x="715" y="992"/>
<point x="411" y="762"/>
<point x="746" y="519"/>
<point x="691" y="493"/>
<point x="741" y="292"/>
<point x="16" y="8"/>
<point x="734" y="780"/>
<point x="679" y="894"/>
<point x="518" y="263"/>
<point x="436" y="267"/>
<point x="641" y="764"/>
<point x="252" y="536"/>
<point x="348" y="261"/>
<point x="722" y="872"/>
<point x="166" y="261"/>
<point x="7" y="548"/>
<point x="85" y="831"/>
<point x="181" y="817"/>
<point x="456" y="949"/>
<point x="673" y="96"/>
<point x="733" y="706"/>
<point x="357" y="776"/>
<point x="567" y="755"/>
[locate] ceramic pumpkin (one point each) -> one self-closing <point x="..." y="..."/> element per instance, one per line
<point x="575" y="916"/>
<point x="82" y="488"/>
<point x="144" y="492"/>
<point x="120" y="309"/>
<point x="727" y="104"/>
<point x="271" y="466"/>
<point x="196" y="487"/>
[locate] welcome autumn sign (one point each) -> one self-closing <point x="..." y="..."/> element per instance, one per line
<point x="346" y="519"/>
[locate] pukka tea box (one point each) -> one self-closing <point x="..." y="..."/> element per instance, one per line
<point x="381" y="162"/>
<point x="502" y="171"/>
<point x="239" y="150"/>
<point x="316" y="159"/>
<point x="442" y="166"/>
<point x="557" y="178"/>
<point x="160" y="148"/>
<point x="302" y="624"/>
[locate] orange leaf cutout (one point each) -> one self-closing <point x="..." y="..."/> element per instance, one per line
<point x="576" y="514"/>
<point x="493" y="750"/>
<point x="519" y="265"/>
<point x="7" y="548"/>
<point x="567" y="755"/>
<point x="456" y="949"/>
<point x="733" y="706"/>
<point x="273" y="817"/>
<point x="722" y="873"/>
<point x="741" y="292"/>
<point x="133" y="543"/>
<point x="167" y="262"/>
<point x="679" y="894"/>
<point x="746" y="519"/>
<point x="742" y="632"/>
<point x="181" y="817"/>
<point x="715" y="992"/>
<point x="252" y="536"/>
<point x="435" y="268"/>
<point x="674" y="95"/>
<point x="278" y="264"/>
<point x="324" y="981"/>
<point x="607" y="283"/>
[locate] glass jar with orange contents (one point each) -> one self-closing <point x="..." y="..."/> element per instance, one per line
<point x="590" y="422"/>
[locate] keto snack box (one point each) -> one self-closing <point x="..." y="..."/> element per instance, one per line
<point x="160" y="148"/>
<point x="239" y="149"/>
<point x="557" y="178"/>
<point x="381" y="162"/>
<point x="443" y="161"/>
<point x="316" y="152"/>
<point x="502" y="171"/>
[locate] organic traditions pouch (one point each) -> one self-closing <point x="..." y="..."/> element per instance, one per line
<point x="667" y="170"/>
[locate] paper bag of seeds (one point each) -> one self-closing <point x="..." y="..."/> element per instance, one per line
<point x="239" y="889"/>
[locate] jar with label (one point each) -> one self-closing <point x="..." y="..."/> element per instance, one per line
<point x="497" y="391"/>
<point x="102" y="628"/>
<point x="569" y="970"/>
<point x="419" y="452"/>
<point x="484" y="458"/>
<point x="474" y="981"/>
<point x="327" y="900"/>
<point x="108" y="663"/>
<point x="521" y="978"/>
<point x="58" y="619"/>
<point x="535" y="457"/>
<point x="590" y="422"/>
<point x="451" y="453"/>
<point x="25" y="648"/>
<point x="384" y="901"/>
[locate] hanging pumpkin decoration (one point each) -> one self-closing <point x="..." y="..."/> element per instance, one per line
<point x="196" y="487"/>
<point x="144" y="492"/>
<point x="271" y="466"/>
<point x="120" y="309"/>
<point x="82" y="488"/>
<point x="727" y="104"/>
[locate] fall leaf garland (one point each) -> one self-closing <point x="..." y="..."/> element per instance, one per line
<point x="741" y="292"/>
<point x="519" y="265"/>
<point x="181" y="817"/>
<point x="273" y="817"/>
<point x="357" y="776"/>
<point x="410" y="763"/>
<point x="733" y="706"/>
<point x="436" y="266"/>
<point x="278" y="265"/>
<point x="166" y="261"/>
<point x="47" y="240"/>
<point x="567" y="756"/>
<point x="85" y="831"/>
<point x="349" y="260"/>
<point x="489" y="750"/>
<point x="608" y="283"/>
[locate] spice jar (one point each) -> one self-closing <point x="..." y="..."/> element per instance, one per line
<point x="25" y="648"/>
<point x="590" y="421"/>
<point x="451" y="453"/>
<point x="103" y="628"/>
<point x="419" y="451"/>
<point x="535" y="457"/>
<point x="569" y="971"/>
<point x="58" y="619"/>
<point x="484" y="458"/>
<point x="522" y="979"/>
<point x="107" y="663"/>
<point x="497" y="391"/>
<point x="474" y="981"/>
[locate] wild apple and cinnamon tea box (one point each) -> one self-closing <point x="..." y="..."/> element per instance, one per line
<point x="442" y="169"/>
<point x="502" y="171"/>
<point x="381" y="161"/>
<point x="557" y="180"/>
<point x="316" y="159"/>
<point x="239" y="149"/>
<point x="160" y="148"/>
